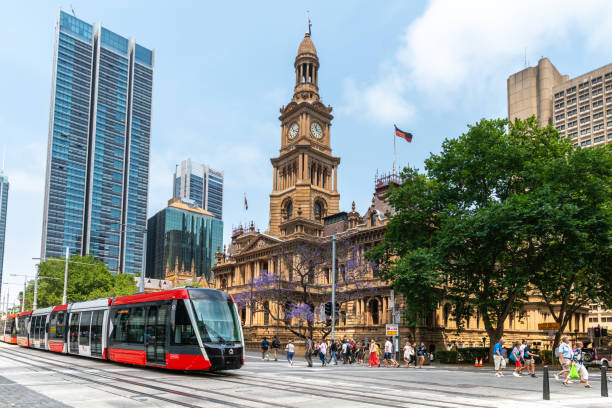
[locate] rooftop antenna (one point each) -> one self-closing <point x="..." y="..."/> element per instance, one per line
<point x="72" y="8"/>
<point x="309" y="23"/>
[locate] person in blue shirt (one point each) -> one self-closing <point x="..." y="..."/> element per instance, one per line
<point x="579" y="364"/>
<point x="421" y="351"/>
<point x="565" y="358"/>
<point x="498" y="358"/>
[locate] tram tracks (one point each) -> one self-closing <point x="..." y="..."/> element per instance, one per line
<point x="113" y="377"/>
<point x="372" y="397"/>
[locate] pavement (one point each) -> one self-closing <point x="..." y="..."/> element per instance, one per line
<point x="34" y="378"/>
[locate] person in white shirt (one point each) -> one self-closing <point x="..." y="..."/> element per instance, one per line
<point x="290" y="348"/>
<point x="388" y="355"/>
<point x="322" y="352"/>
<point x="408" y="353"/>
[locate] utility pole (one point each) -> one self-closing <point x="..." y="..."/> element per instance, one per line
<point x="34" y="303"/>
<point x="333" y="296"/>
<point x="64" y="300"/>
<point x="144" y="260"/>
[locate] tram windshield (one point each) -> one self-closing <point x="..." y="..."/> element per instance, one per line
<point x="217" y="320"/>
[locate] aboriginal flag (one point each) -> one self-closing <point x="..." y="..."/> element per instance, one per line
<point x="407" y="136"/>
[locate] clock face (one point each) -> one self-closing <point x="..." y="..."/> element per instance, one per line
<point x="316" y="130"/>
<point x="293" y="130"/>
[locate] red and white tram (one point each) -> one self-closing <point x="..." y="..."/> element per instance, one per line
<point x="23" y="327"/>
<point x="8" y="328"/>
<point x="179" y="329"/>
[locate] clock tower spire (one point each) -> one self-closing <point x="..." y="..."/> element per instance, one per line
<point x="305" y="187"/>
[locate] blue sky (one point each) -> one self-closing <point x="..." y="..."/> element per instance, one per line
<point x="223" y="69"/>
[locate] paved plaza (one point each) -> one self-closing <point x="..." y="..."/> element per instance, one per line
<point x="33" y="378"/>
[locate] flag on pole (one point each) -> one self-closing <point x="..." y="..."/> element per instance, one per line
<point x="246" y="204"/>
<point x="309" y="23"/>
<point x="407" y="136"/>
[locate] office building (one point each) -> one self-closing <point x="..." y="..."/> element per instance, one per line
<point x="4" y="189"/>
<point x="181" y="242"/>
<point x="199" y="183"/>
<point x="579" y="108"/>
<point x="97" y="171"/>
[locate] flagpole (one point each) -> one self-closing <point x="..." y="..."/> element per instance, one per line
<point x="394" y="153"/>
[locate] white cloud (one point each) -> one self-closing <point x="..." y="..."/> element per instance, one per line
<point x="464" y="48"/>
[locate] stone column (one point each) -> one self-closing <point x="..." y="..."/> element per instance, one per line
<point x="274" y="181"/>
<point x="335" y="169"/>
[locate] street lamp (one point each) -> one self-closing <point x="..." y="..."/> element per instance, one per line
<point x="25" y="281"/>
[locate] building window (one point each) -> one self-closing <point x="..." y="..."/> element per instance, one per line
<point x="318" y="211"/>
<point x="373" y="219"/>
<point x="289" y="210"/>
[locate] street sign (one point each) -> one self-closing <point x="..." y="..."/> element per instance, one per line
<point x="392" y="330"/>
<point x="397" y="317"/>
<point x="549" y="326"/>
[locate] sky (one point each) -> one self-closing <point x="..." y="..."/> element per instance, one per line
<point x="223" y="70"/>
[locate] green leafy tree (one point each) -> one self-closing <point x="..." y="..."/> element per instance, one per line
<point x="88" y="279"/>
<point x="475" y="229"/>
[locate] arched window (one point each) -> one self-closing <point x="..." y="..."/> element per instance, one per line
<point x="289" y="210"/>
<point x="318" y="210"/>
<point x="446" y="313"/>
<point x="374" y="311"/>
<point x="373" y="219"/>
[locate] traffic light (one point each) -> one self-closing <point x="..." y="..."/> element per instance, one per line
<point x="597" y="332"/>
<point x="328" y="308"/>
<point x="604" y="332"/>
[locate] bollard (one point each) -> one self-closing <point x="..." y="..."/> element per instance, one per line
<point x="604" y="381"/>
<point x="546" y="385"/>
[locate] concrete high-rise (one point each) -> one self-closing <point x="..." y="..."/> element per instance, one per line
<point x="4" y="189"/>
<point x="579" y="108"/>
<point x="200" y="183"/>
<point x="98" y="151"/>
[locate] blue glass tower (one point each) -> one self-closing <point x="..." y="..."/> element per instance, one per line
<point x="98" y="152"/>
<point x="200" y="183"/>
<point x="4" y="189"/>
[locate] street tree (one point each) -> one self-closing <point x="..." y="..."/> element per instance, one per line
<point x="292" y="299"/>
<point x="470" y="230"/>
<point x="88" y="279"/>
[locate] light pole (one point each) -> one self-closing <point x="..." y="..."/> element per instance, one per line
<point x="66" y="275"/>
<point x="25" y="281"/>
<point x="333" y="295"/>
<point x="1" y="298"/>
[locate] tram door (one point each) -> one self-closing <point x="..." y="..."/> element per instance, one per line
<point x="96" y="333"/>
<point x="73" y="334"/>
<point x="155" y="334"/>
<point x="34" y="331"/>
<point x="84" y="329"/>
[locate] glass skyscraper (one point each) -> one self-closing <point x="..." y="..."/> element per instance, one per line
<point x="98" y="152"/>
<point x="200" y="183"/>
<point x="4" y="189"/>
<point x="182" y="238"/>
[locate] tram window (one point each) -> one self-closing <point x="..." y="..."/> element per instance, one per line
<point x="84" y="329"/>
<point x="59" y="329"/>
<point x="52" y="325"/>
<point x="183" y="330"/>
<point x="120" y="324"/>
<point x="135" y="328"/>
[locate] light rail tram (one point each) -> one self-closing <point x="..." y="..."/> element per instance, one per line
<point x="179" y="329"/>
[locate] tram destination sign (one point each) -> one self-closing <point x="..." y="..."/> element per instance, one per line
<point x="549" y="326"/>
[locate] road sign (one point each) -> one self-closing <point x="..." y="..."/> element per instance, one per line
<point x="549" y="326"/>
<point x="397" y="317"/>
<point x="392" y="330"/>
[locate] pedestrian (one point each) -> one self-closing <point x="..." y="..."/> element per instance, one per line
<point x="373" y="361"/>
<point x="290" y="349"/>
<point x="276" y="344"/>
<point x="565" y="358"/>
<point x="308" y="350"/>
<point x="265" y="344"/>
<point x="529" y="357"/>
<point x="579" y="364"/>
<point x="498" y="358"/>
<point x="352" y="351"/>
<point x="421" y="351"/>
<point x="516" y="357"/>
<point x="345" y="346"/>
<point x="322" y="352"/>
<point x="407" y="354"/>
<point x="388" y="356"/>
<point x="333" y="348"/>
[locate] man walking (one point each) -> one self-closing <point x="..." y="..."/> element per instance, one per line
<point x="345" y="347"/>
<point x="275" y="346"/>
<point x="498" y="358"/>
<point x="565" y="358"/>
<point x="421" y="351"/>
<point x="308" y="348"/>
<point x="333" y="348"/>
<point x="388" y="356"/>
<point x="529" y="359"/>
<point x="264" y="349"/>
<point x="322" y="352"/>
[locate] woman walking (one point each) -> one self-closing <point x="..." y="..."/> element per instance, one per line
<point x="322" y="352"/>
<point x="374" y="361"/>
<point x="578" y="362"/>
<point x="408" y="351"/>
<point x="516" y="357"/>
<point x="290" y="349"/>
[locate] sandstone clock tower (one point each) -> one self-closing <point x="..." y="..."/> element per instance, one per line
<point x="305" y="187"/>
